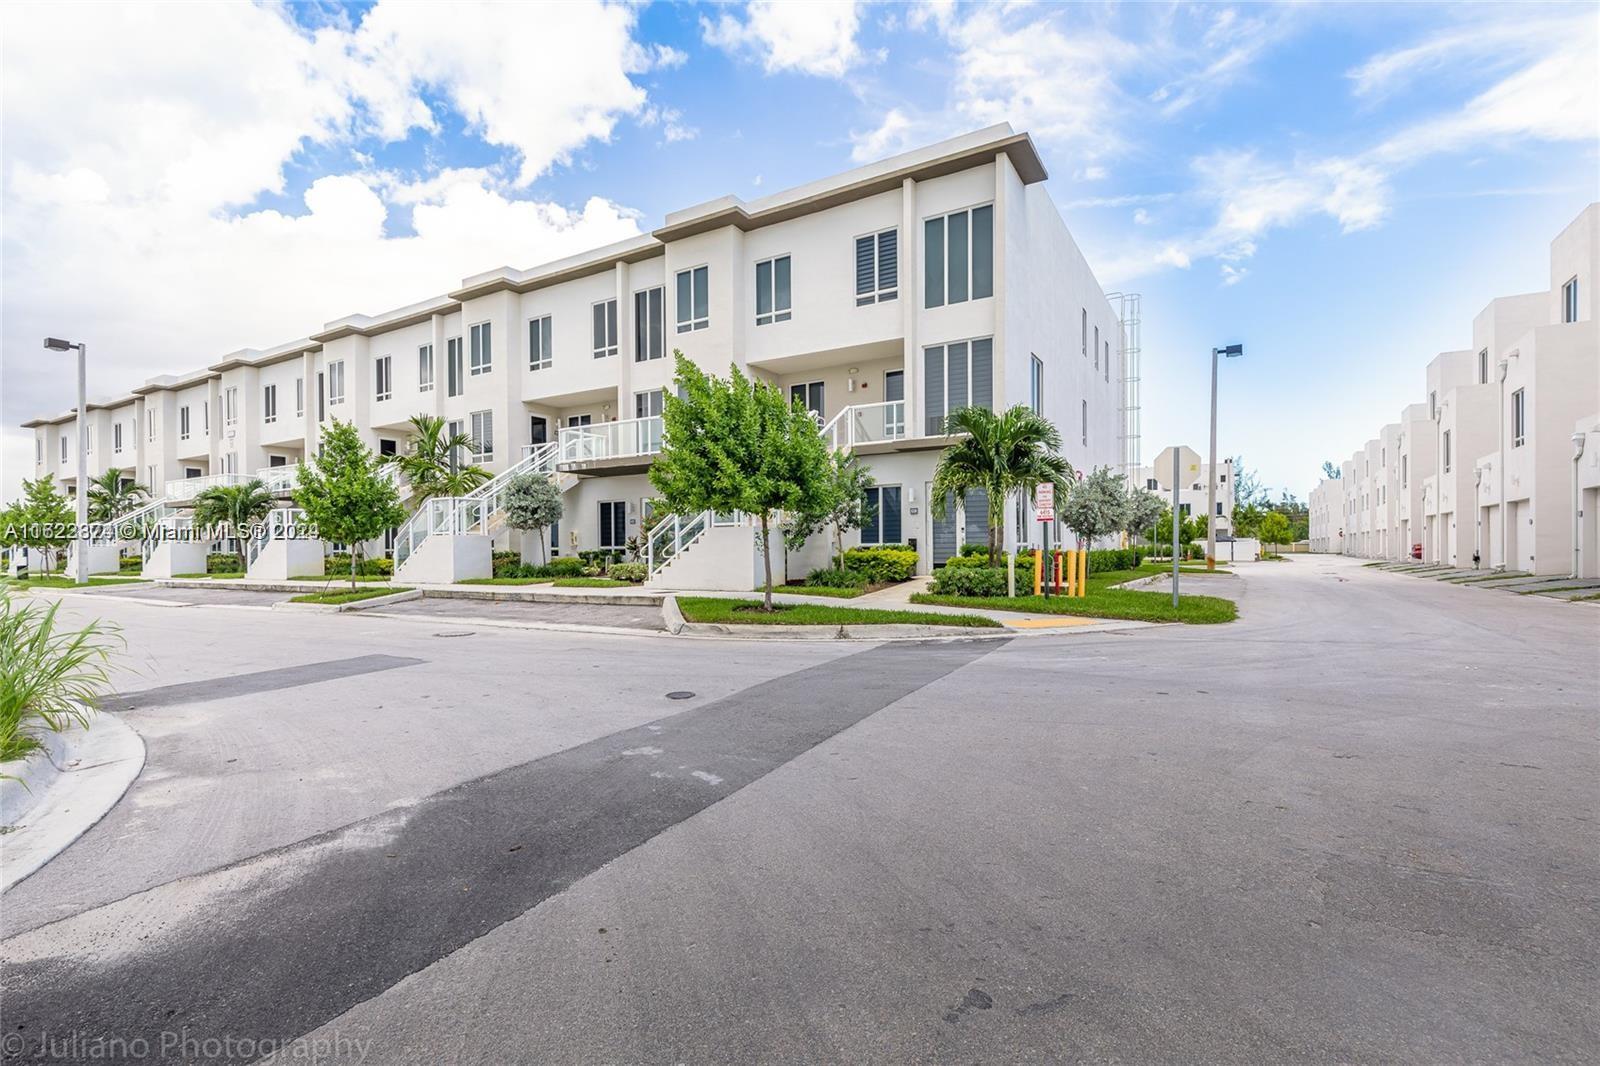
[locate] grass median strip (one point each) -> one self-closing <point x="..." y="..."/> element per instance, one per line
<point x="1122" y="604"/>
<point x="505" y="581"/>
<point x="55" y="581"/>
<point x="748" y="612"/>
<point x="348" y="595"/>
<point x="819" y="590"/>
<point x="334" y="575"/>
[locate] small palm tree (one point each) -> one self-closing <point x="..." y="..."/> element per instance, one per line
<point x="110" y="499"/>
<point x="1001" y="454"/>
<point x="235" y="507"/>
<point x="427" y="464"/>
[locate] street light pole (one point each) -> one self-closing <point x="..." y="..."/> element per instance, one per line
<point x="80" y="558"/>
<point x="1229" y="352"/>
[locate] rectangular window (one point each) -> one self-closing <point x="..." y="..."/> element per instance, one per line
<point x="269" y="403"/>
<point x="116" y="436"/>
<point x="808" y="395"/>
<point x="336" y="382"/>
<point x="1036" y="384"/>
<point x="649" y="324"/>
<point x="149" y="425"/>
<point x="649" y="404"/>
<point x="89" y="444"/>
<point x="1084" y="341"/>
<point x="483" y="436"/>
<point x="877" y="267"/>
<point x="772" y="291"/>
<point x="694" y="299"/>
<point x="1108" y="361"/>
<point x="299" y="397"/>
<point x="604" y="315"/>
<point x="1405" y="470"/>
<point x="205" y="417"/>
<point x="958" y="256"/>
<point x="1097" y="347"/>
<point x="1085" y="423"/>
<point x="1519" y="419"/>
<point x="1569" y="301"/>
<point x="539" y="344"/>
<point x="1433" y="405"/>
<point x="482" y="355"/>
<point x="383" y="377"/>
<point x="455" y="371"/>
<point x="183" y="423"/>
<point x="955" y="376"/>
<point x="230" y="406"/>
<point x="1447" y="451"/>
<point x="613" y="523"/>
<point x="881" y="515"/>
<point x="1483" y="367"/>
<point x="425" y="368"/>
<point x="38" y="449"/>
<point x="63" y="447"/>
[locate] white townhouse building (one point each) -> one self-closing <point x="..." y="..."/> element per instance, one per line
<point x="1193" y="488"/>
<point x="1502" y="460"/>
<point x="881" y="298"/>
<point x="1325" y="514"/>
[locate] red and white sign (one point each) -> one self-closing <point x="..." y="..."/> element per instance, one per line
<point x="1044" y="502"/>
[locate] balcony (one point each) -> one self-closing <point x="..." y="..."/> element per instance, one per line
<point x="866" y="423"/>
<point x="615" y="446"/>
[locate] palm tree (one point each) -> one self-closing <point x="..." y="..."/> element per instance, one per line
<point x="1001" y="454"/>
<point x="427" y="465"/>
<point x="110" y="499"/>
<point x="234" y="506"/>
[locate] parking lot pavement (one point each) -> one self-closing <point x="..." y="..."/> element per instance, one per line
<point x="196" y="597"/>
<point x="514" y="612"/>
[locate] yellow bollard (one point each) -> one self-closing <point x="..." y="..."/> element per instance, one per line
<point x="1038" y="571"/>
<point x="1072" y="572"/>
<point x="1055" y="564"/>
<point x="1083" y="572"/>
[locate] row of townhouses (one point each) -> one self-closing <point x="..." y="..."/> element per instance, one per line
<point x="882" y="299"/>
<point x="1499" y="464"/>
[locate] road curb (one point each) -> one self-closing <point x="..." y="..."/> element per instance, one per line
<point x="354" y="605"/>
<point x="896" y="631"/>
<point x="672" y="616"/>
<point x="65" y="791"/>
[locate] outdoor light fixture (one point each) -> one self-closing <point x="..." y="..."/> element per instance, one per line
<point x="1230" y="352"/>
<point x="80" y="558"/>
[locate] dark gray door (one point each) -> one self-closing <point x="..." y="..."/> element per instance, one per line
<point x="944" y="530"/>
<point x="976" y="504"/>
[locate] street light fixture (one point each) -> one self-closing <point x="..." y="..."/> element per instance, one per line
<point x="80" y="557"/>
<point x="1232" y="351"/>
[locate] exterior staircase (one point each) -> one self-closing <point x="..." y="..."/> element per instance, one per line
<point x="449" y="538"/>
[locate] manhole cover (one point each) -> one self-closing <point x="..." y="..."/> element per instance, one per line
<point x="680" y="695"/>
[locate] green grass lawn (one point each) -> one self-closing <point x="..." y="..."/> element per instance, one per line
<point x="1584" y="599"/>
<point x="818" y="590"/>
<point x="1103" y="601"/>
<point x="348" y="595"/>
<point x="748" y="612"/>
<point x="56" y="581"/>
<point x="226" y="575"/>
<point x="591" y="583"/>
<point x="335" y="576"/>
<point x="1183" y="568"/>
<point x="505" y="581"/>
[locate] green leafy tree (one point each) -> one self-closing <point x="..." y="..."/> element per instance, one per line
<point x="1331" y="472"/>
<point x="426" y="462"/>
<point x="1000" y="453"/>
<point x="1247" y="487"/>
<point x="345" y="494"/>
<point x="847" y="507"/>
<point x="235" y="508"/>
<point x="1247" y="520"/>
<point x="40" y="520"/>
<point x="1275" y="530"/>
<point x="532" y="503"/>
<point x="110" y="498"/>
<point x="738" y="445"/>
<point x="1097" y="506"/>
<point x="1144" y="510"/>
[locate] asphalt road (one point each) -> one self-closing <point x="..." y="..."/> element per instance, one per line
<point x="1358" y="825"/>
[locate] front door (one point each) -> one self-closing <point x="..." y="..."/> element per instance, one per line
<point x="941" y="531"/>
<point x="894" y="392"/>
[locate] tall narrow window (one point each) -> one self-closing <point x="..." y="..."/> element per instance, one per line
<point x="540" y="346"/>
<point x="336" y="382"/>
<point x="1433" y="406"/>
<point x="299" y="397"/>
<point x="1097" y="347"/>
<point x="694" y="299"/>
<point x="1108" y="361"/>
<point x="116" y="436"/>
<point x="482" y="356"/>
<point x="604" y="315"/>
<point x="1519" y="419"/>
<point x="425" y="368"/>
<point x="483" y="436"/>
<point x="205" y="417"/>
<point x="1036" y="384"/>
<point x="772" y="291"/>
<point x="1483" y="367"/>
<point x="958" y="257"/>
<point x="383" y="377"/>
<point x="877" y="267"/>
<point x="269" y="403"/>
<point x="38" y="449"/>
<point x="649" y="324"/>
<point x="1569" y="301"/>
<point x="149" y="426"/>
<point x="183" y="423"/>
<point x="1447" y="451"/>
<point x="230" y="404"/>
<point x="955" y="376"/>
<point x="881" y="515"/>
<point x="613" y="523"/>
<point x="455" y="377"/>
<point x="1085" y="423"/>
<point x="1084" y="343"/>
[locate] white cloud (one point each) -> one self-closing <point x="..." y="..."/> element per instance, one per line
<point x="670" y="120"/>
<point x="816" y="37"/>
<point x="894" y="134"/>
<point x="1229" y="46"/>
<point x="1141" y="217"/>
<point x="122" y="183"/>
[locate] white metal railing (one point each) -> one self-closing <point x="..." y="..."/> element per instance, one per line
<point x="280" y="478"/>
<point x="672" y="536"/>
<point x="611" y="440"/>
<point x="168" y="525"/>
<point x="473" y="512"/>
<point x="189" y="487"/>
<point x="866" y="423"/>
<point x="279" y="521"/>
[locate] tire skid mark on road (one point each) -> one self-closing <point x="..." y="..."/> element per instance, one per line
<point x="272" y="947"/>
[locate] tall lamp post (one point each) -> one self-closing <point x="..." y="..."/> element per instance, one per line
<point x="1232" y="351"/>
<point x="80" y="558"/>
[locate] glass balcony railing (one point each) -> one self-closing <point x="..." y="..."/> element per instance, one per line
<point x="611" y="440"/>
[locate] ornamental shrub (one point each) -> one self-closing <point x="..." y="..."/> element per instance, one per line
<point x="836" y="577"/>
<point x="882" y="565"/>
<point x="635" y="572"/>
<point x="970" y="581"/>
<point x="565" y="566"/>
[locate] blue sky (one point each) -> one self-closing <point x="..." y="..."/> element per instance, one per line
<point x="1339" y="187"/>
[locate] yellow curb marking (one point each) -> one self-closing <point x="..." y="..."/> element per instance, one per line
<point x="1050" y="623"/>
